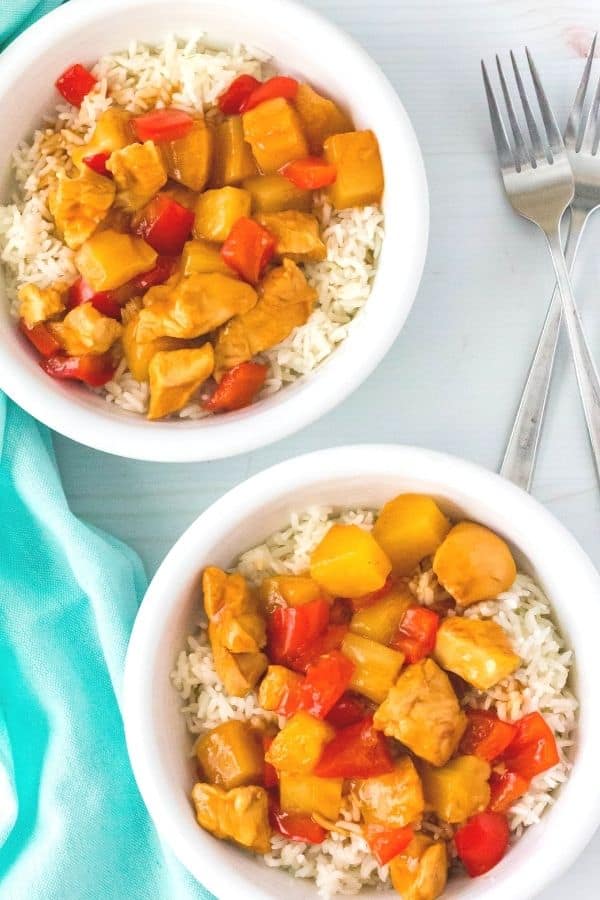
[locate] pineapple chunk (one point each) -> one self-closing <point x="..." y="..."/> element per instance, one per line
<point x="420" y="872"/>
<point x="320" y="117"/>
<point x="409" y="528"/>
<point x="474" y="564"/>
<point x="139" y="173"/>
<point x="289" y="590"/>
<point x="230" y="755"/>
<point x="175" y="375"/>
<point x="297" y="748"/>
<point x="239" y="672"/>
<point x="218" y="210"/>
<point x="110" y="259"/>
<point x="296" y="233"/>
<point x="79" y="205"/>
<point x="233" y="160"/>
<point x="380" y="621"/>
<point x="139" y="354"/>
<point x="359" y="180"/>
<point x="189" y="159"/>
<point x="274" y="131"/>
<point x="274" y="193"/>
<point x="395" y="799"/>
<point x="457" y="790"/>
<point x="202" y="257"/>
<point x="349" y="562"/>
<point x="310" y="795"/>
<point x="477" y="650"/>
<point x="195" y="306"/>
<point x="85" y="330"/>
<point x="38" y="304"/>
<point x="375" y="667"/>
<point x="112" y="132"/>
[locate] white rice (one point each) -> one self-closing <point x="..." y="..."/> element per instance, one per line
<point x="190" y="76"/>
<point x="343" y="863"/>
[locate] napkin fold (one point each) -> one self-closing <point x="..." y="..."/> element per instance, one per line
<point x="16" y="15"/>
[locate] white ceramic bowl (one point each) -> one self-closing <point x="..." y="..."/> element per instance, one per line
<point x="159" y="746"/>
<point x="302" y="43"/>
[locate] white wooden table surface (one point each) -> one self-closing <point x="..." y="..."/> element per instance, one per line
<point x="453" y="378"/>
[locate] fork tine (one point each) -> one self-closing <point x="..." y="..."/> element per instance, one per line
<point x="522" y="154"/>
<point x="552" y="130"/>
<point x="574" y="120"/>
<point x="536" y="141"/>
<point x="505" y="154"/>
<point x="591" y="126"/>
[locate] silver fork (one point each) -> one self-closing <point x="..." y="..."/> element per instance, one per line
<point x="581" y="138"/>
<point x="540" y="185"/>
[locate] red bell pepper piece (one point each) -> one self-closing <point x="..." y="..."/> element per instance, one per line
<point x="533" y="748"/>
<point x="486" y="736"/>
<point x="310" y="173"/>
<point x="106" y="302"/>
<point x="290" y="629"/>
<point x="238" y="387"/>
<point x="230" y="101"/>
<point x="482" y="842"/>
<point x="295" y="826"/>
<point x="330" y="639"/>
<point x="348" y="710"/>
<point x="325" y="682"/>
<point x="248" y="249"/>
<point x="269" y="772"/>
<point x="74" y="83"/>
<point x="416" y="634"/>
<point x="506" y="788"/>
<point x="91" y="369"/>
<point x="162" y="271"/>
<point x="386" y="843"/>
<point x="357" y="751"/>
<point x="162" y="125"/>
<point x="97" y="162"/>
<point x="278" y="86"/>
<point x="42" y="338"/>
<point x="374" y="596"/>
<point x="165" y="225"/>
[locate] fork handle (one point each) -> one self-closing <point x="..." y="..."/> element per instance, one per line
<point x="521" y="451"/>
<point x="587" y="374"/>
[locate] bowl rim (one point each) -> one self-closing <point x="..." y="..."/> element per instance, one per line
<point x="84" y="420"/>
<point x="262" y="490"/>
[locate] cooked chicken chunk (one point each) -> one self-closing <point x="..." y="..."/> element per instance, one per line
<point x="285" y="301"/>
<point x="394" y="800"/>
<point x="139" y="173"/>
<point x="239" y="672"/>
<point x="476" y="649"/>
<point x="175" y="375"/>
<point x="138" y="354"/>
<point x="241" y="814"/>
<point x="38" y="304"/>
<point x="195" y="306"/>
<point x="320" y="117"/>
<point x="229" y="602"/>
<point x="297" y="234"/>
<point x="422" y="712"/>
<point x="276" y="686"/>
<point x="457" y="790"/>
<point x="474" y="564"/>
<point x="421" y="871"/>
<point x="85" y="330"/>
<point x="110" y="259"/>
<point x="79" y="205"/>
<point x="112" y="132"/>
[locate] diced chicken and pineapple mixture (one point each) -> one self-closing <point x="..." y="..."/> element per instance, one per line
<point x="368" y="686"/>
<point x="190" y="234"/>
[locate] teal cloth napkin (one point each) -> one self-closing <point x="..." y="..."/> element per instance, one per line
<point x="72" y="822"/>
